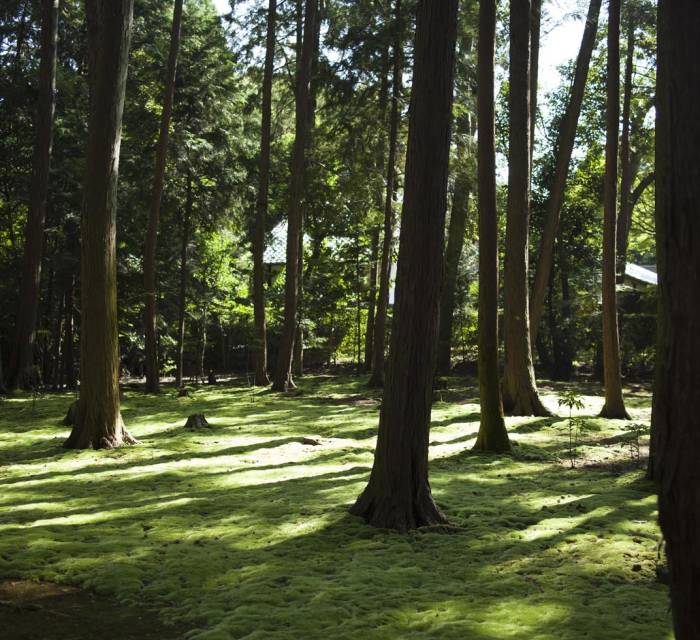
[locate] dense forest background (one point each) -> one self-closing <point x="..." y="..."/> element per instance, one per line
<point x="211" y="178"/>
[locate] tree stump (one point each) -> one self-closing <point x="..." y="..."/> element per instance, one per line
<point x="182" y="392"/>
<point x="211" y="378"/>
<point x="197" y="421"/>
<point x="69" y="420"/>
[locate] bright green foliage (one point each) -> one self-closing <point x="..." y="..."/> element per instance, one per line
<point x="242" y="531"/>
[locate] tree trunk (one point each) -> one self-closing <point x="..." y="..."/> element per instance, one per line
<point x="627" y="169"/>
<point x="535" y="33"/>
<point x="678" y="237"/>
<point x="453" y="253"/>
<point x="68" y="335"/>
<point x="260" y="350"/>
<point x="149" y="260"/>
<point x="30" y="287"/>
<point x="298" y="358"/>
<point x="98" y="422"/>
<point x="377" y="378"/>
<point x="492" y="429"/>
<point x="614" y="406"/>
<point x="398" y="495"/>
<point x="520" y="395"/>
<point x="626" y="222"/>
<point x="182" y="296"/>
<point x="203" y="343"/>
<point x="371" y="300"/>
<point x="565" y="147"/>
<point x="283" y="373"/>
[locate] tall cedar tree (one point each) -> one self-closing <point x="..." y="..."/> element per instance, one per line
<point x="678" y="240"/>
<point x="627" y="169"/>
<point x="377" y="377"/>
<point x="492" y="434"/>
<point x="185" y="223"/>
<point x="565" y="147"/>
<point x="261" y="208"/>
<point x="520" y="395"/>
<point x="22" y="357"/>
<point x="149" y="261"/>
<point x="98" y="422"/>
<point x="283" y="373"/>
<point x="614" y="406"/>
<point x="398" y="495"/>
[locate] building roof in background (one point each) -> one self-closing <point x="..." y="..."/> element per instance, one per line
<point x="644" y="275"/>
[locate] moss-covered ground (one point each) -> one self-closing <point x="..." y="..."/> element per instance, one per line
<point x="242" y="531"/>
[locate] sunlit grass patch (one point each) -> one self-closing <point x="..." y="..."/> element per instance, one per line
<point x="242" y="531"/>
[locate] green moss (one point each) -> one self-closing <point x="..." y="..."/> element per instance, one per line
<point x="243" y="532"/>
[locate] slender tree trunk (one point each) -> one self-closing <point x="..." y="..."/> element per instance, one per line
<point x="678" y="238"/>
<point x="149" y="260"/>
<point x="614" y="406"/>
<point x="203" y="344"/>
<point x="98" y="421"/>
<point x="565" y="147"/>
<point x="535" y="32"/>
<point x="283" y="373"/>
<point x="453" y="253"/>
<point x="182" y="296"/>
<point x="377" y="377"/>
<point x="68" y="335"/>
<point x="30" y="287"/>
<point x="260" y="351"/>
<point x="371" y="300"/>
<point x="627" y="169"/>
<point x="492" y="434"/>
<point x="520" y="395"/>
<point x="298" y="358"/>
<point x="398" y="495"/>
<point x="626" y="222"/>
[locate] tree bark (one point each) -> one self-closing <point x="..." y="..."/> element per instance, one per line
<point x="520" y="395"/>
<point x="492" y="434"/>
<point x="535" y="37"/>
<point x="182" y="296"/>
<point x="453" y="252"/>
<point x="376" y="380"/>
<point x="30" y="287"/>
<point x="398" y="495"/>
<point x="149" y="259"/>
<point x="627" y="169"/>
<point x="678" y="238"/>
<point x="283" y="373"/>
<point x="614" y="406"/>
<point x="261" y="378"/>
<point x="98" y="422"/>
<point x="565" y="147"/>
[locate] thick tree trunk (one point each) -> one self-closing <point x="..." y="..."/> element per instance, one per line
<point x="149" y="260"/>
<point x="678" y="239"/>
<point x="614" y="406"/>
<point x="377" y="378"/>
<point x="627" y="170"/>
<point x="492" y="429"/>
<point x="298" y="358"/>
<point x="371" y="299"/>
<point x="565" y="147"/>
<point x="520" y="395"/>
<point x="25" y="330"/>
<point x="182" y="296"/>
<point x="260" y="350"/>
<point x="398" y="495"/>
<point x="98" y="422"/>
<point x="283" y="372"/>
